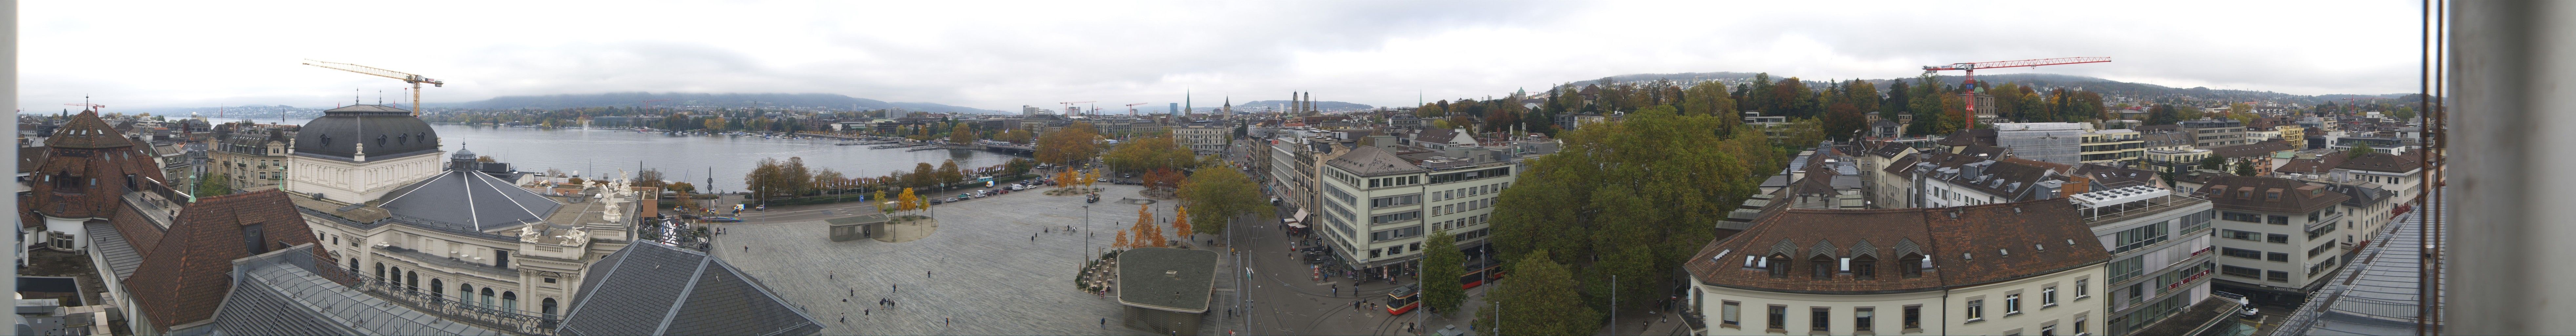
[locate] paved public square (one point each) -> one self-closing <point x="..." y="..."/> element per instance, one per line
<point x="986" y="274"/>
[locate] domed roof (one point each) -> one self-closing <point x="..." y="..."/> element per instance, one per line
<point x="388" y="132"/>
<point x="462" y="154"/>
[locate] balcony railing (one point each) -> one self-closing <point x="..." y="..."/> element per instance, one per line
<point x="451" y="262"/>
<point x="503" y="318"/>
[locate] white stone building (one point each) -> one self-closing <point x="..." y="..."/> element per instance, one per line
<point x="2024" y="268"/>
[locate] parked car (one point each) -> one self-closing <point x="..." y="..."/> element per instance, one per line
<point x="938" y="200"/>
<point x="961" y="198"/>
<point x="723" y="219"/>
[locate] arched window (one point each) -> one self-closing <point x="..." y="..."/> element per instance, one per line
<point x="353" y="266"/>
<point x="487" y="297"/>
<point x="465" y="293"/>
<point x="549" y="307"/>
<point x="1913" y="265"/>
<point x="1779" y="265"/>
<point x="510" y="301"/>
<point x="411" y="282"/>
<point x="437" y="290"/>
<point x="380" y="271"/>
<point x="1864" y="267"/>
<point x="1823" y="267"/>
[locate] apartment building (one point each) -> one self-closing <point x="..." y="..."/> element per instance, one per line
<point x="1207" y="138"/>
<point x="251" y="160"/>
<point x="2276" y="236"/>
<point x="2025" y="268"/>
<point x="2159" y="242"/>
<point x="2112" y="147"/>
<point x="1378" y="207"/>
<point x="2208" y="132"/>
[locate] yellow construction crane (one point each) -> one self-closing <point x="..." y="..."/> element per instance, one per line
<point x="415" y="80"/>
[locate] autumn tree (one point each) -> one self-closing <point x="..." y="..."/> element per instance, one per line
<point x="1163" y="178"/>
<point x="923" y="176"/>
<point x="1149" y="153"/>
<point x="1181" y="221"/>
<point x="948" y="173"/>
<point x="1442" y="267"/>
<point x="649" y="178"/>
<point x="880" y="200"/>
<point x="1221" y="194"/>
<point x="906" y="200"/>
<point x="1538" y="301"/>
<point x="830" y="180"/>
<point x="484" y="158"/>
<point x="681" y="187"/>
<point x="1147" y="234"/>
<point x="1122" y="242"/>
<point x="1844" y="120"/>
<point x="961" y="134"/>
<point x="1069" y="145"/>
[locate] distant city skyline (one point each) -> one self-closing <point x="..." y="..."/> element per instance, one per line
<point x="996" y="57"/>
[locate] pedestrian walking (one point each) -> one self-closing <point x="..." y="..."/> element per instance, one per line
<point x="943" y="322"/>
<point x="845" y="317"/>
<point x="1104" y="323"/>
<point x="897" y="288"/>
<point x="863" y="312"/>
<point x="828" y="275"/>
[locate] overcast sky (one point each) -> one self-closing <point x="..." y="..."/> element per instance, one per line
<point x="1003" y="55"/>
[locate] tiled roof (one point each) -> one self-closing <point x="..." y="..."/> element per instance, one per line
<point x="1889" y="150"/>
<point x="86" y="130"/>
<point x="281" y="293"/>
<point x="653" y="289"/>
<point x="2008" y="179"/>
<point x="1986" y="152"/>
<point x="2383" y="162"/>
<point x="1968" y="245"/>
<point x="2255" y="194"/>
<point x="469" y="200"/>
<point x="2258" y="149"/>
<point x="1903" y="166"/>
<point x="121" y="256"/>
<point x="184" y="278"/>
<point x="1371" y="161"/>
<point x="31" y="157"/>
<point x="2319" y="165"/>
<point x="2115" y="177"/>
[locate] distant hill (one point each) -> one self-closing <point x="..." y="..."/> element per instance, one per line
<point x="2140" y="91"/>
<point x="701" y="99"/>
<point x="1326" y="105"/>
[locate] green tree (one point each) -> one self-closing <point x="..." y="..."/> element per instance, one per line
<point x="1441" y="268"/>
<point x="1018" y="166"/>
<point x="214" y="184"/>
<point x="1538" y="303"/>
<point x="1842" y="121"/>
<point x="2213" y="162"/>
<point x="2359" y="150"/>
<point x="2245" y="168"/>
<point x="1220" y="194"/>
<point x="949" y="174"/>
<point x="1149" y="153"/>
<point x="1642" y="193"/>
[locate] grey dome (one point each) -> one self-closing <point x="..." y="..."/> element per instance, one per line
<point x="388" y="132"/>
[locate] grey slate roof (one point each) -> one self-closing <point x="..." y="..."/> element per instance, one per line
<point x="653" y="289"/>
<point x="2377" y="296"/>
<point x="111" y="244"/>
<point x="1372" y="161"/>
<point x="278" y="293"/>
<point x="388" y="132"/>
<point x="470" y="201"/>
<point x="1144" y="274"/>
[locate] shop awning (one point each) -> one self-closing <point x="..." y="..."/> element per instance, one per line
<point x="1297" y="221"/>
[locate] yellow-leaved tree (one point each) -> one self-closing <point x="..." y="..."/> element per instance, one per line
<point x="1181" y="220"/>
<point x="906" y="200"/>
<point x="1122" y="241"/>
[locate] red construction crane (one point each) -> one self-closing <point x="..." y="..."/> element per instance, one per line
<point x="1131" y="108"/>
<point x="1970" y="84"/>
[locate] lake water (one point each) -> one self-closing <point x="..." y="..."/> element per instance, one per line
<point x="596" y="152"/>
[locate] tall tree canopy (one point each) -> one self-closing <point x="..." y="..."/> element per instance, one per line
<point x="1640" y="194"/>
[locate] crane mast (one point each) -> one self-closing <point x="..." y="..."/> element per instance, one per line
<point x="1969" y="85"/>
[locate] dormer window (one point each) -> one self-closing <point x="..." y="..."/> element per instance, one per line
<point x="1778" y="264"/>
<point x="1823" y="267"/>
<point x="1864" y="267"/>
<point x="1914" y="265"/>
